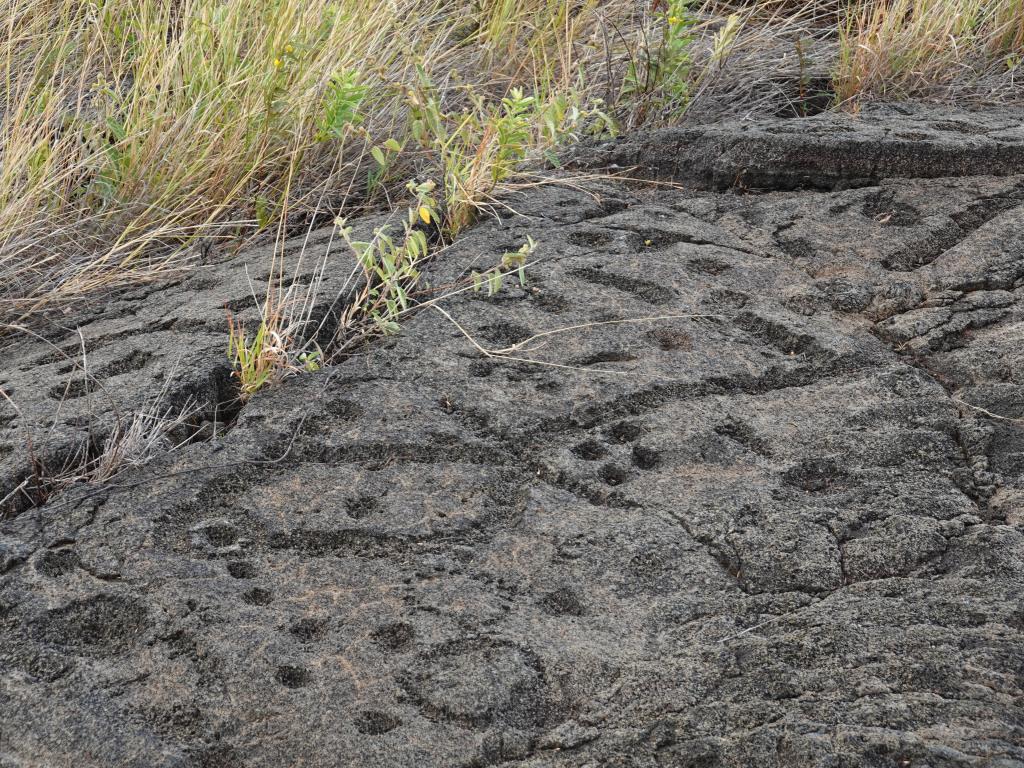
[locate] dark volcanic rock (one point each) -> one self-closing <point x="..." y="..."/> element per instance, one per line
<point x="831" y="151"/>
<point x="754" y="498"/>
<point x="154" y="348"/>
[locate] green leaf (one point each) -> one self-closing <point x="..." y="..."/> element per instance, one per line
<point x="264" y="212"/>
<point x="116" y="129"/>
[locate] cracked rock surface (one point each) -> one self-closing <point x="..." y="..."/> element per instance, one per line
<point x="741" y="483"/>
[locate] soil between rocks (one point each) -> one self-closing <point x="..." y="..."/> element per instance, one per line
<point x="749" y="492"/>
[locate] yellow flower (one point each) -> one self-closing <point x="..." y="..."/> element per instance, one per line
<point x="425" y="214"/>
<point x="289" y="49"/>
<point x="674" y="20"/>
<point x="278" y="63"/>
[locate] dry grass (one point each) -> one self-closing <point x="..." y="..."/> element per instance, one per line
<point x="132" y="440"/>
<point x="129" y="129"/>
<point x="896" y="48"/>
<point x="132" y="132"/>
<point x="856" y="51"/>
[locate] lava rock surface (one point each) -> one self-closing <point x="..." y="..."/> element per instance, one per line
<point x="735" y="479"/>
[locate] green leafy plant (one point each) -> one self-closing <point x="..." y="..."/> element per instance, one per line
<point x="513" y="262"/>
<point x="310" y="360"/>
<point x="384" y="157"/>
<point x="484" y="144"/>
<point x="658" y="76"/>
<point x="342" y="101"/>
<point x="390" y="264"/>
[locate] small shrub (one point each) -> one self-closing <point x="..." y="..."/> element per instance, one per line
<point x="342" y="101"/>
<point x="658" y="76"/>
<point x="484" y="144"/>
<point x="390" y="266"/>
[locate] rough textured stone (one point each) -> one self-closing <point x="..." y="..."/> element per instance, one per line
<point x="746" y="489"/>
<point x="66" y="386"/>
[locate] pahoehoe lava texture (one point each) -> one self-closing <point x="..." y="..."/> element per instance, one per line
<point x="761" y="503"/>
